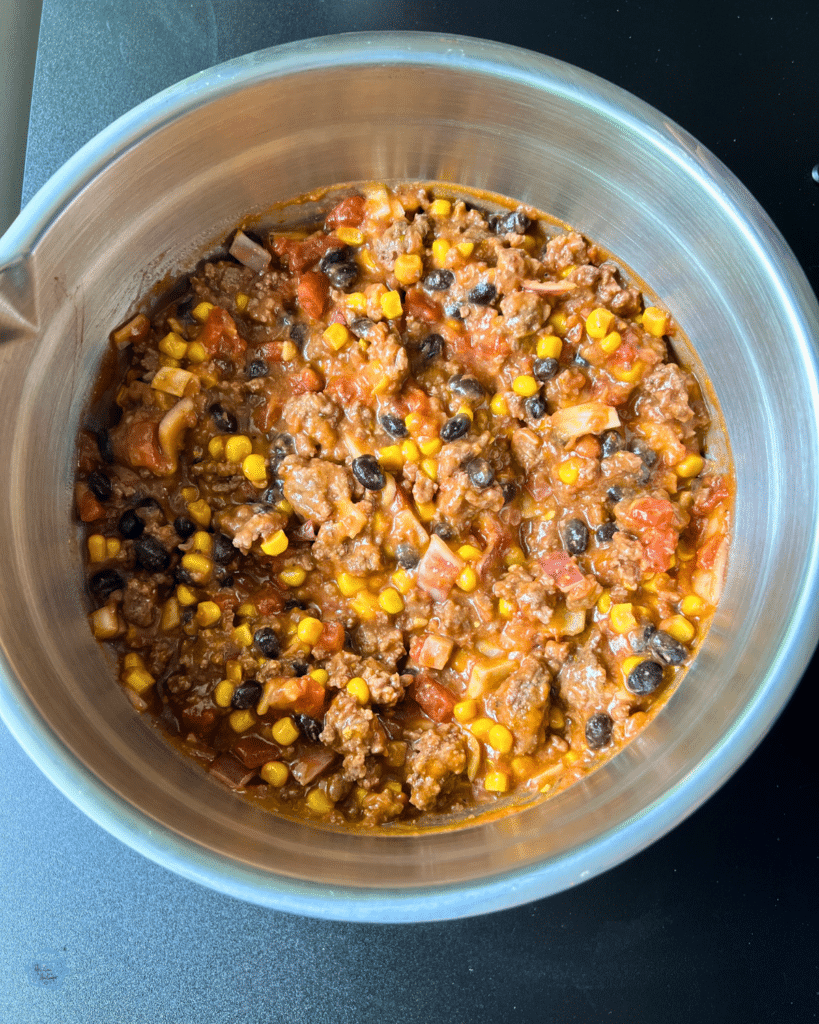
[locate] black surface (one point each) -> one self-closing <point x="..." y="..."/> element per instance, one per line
<point x="717" y="921"/>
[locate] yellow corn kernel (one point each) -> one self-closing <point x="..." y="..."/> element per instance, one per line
<point x="611" y="342"/>
<point x="196" y="353"/>
<point x="499" y="405"/>
<point x="185" y="596"/>
<point x="359" y="689"/>
<point x="174" y="346"/>
<point x="402" y="581"/>
<point x="680" y="628"/>
<point x="284" y="506"/>
<point x="216" y="447"/>
<point x="467" y="579"/>
<point x="246" y="610"/>
<point x="105" y="623"/>
<point x="572" y="757"/>
<point x="558" y="322"/>
<point x="465" y="249"/>
<point x="365" y="605"/>
<point x="465" y="710"/>
<point x="391" y="305"/>
<point x="505" y="608"/>
<point x="276" y="543"/>
<point x="170" y="617"/>
<point x="515" y="556"/>
<point x="549" y="347"/>
<point x="349" y="235"/>
<point x="413" y="422"/>
<point x="469" y="552"/>
<point x="241" y="721"/>
<point x="496" y="782"/>
<point x="523" y="766"/>
<point x="242" y="635"/>
<point x="203" y="542"/>
<point x="633" y="375"/>
<point x="208" y="613"/>
<point x="630" y="664"/>
<point x="690" y="466"/>
<point x="622" y="619"/>
<point x="393" y="785"/>
<point x="500" y="739"/>
<point x="321" y="675"/>
<point x="426" y="511"/>
<point x="169" y="362"/>
<point x="309" y="630"/>
<point x="241" y="301"/>
<point x="285" y="732"/>
<point x="190" y="493"/>
<point x="460" y="661"/>
<point x="97" y="551"/>
<point x="318" y="802"/>
<point x="525" y="385"/>
<point x="357" y="301"/>
<point x="202" y="311"/>
<point x="390" y="457"/>
<point x="440" y="247"/>
<point x="430" y="468"/>
<point x="336" y="336"/>
<point x="604" y="603"/>
<point x="133" y="660"/>
<point x="557" y="720"/>
<point x="139" y="679"/>
<point x="691" y="604"/>
<point x="655" y="321"/>
<point x="238" y="447"/>
<point x="233" y="670"/>
<point x="431" y="447"/>
<point x="350" y="585"/>
<point x="293" y="577"/>
<point x="598" y="322"/>
<point x="113" y="546"/>
<point x="289" y="352"/>
<point x="200" y="512"/>
<point x="440" y="208"/>
<point x="275" y="773"/>
<point x="198" y="565"/>
<point x="255" y="470"/>
<point x="481" y="726"/>
<point x="366" y="259"/>
<point x="410" y="451"/>
<point x="568" y="471"/>
<point x="390" y="601"/>
<point x="223" y="693"/>
<point x="408" y="269"/>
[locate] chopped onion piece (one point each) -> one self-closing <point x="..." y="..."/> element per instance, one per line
<point x="438" y="569"/>
<point x="587" y="418"/>
<point x="249" y="253"/>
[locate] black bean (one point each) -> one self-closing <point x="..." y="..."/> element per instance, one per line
<point x="258" y="368"/>
<point x="614" y="494"/>
<point x="100" y="485"/>
<point x="648" y="455"/>
<point x="281" y="446"/>
<point x="184" y="527"/>
<point x="342" y="275"/>
<point x="431" y="346"/>
<point x="340" y="254"/>
<point x="368" y="473"/>
<point x="516" y="222"/>
<point x="509" y="490"/>
<point x="298" y="333"/>
<point x="226" y="580"/>
<point x="456" y="427"/>
<point x="545" y="369"/>
<point x="575" y="536"/>
<point x="469" y="387"/>
<point x="480" y="473"/>
<point x="130" y="525"/>
<point x="645" y="678"/>
<point x="580" y="361"/>
<point x="267" y="642"/>
<point x="535" y="407"/>
<point x="455" y="311"/>
<point x="598" y="730"/>
<point x="443" y="530"/>
<point x="151" y="555"/>
<point x="300" y="668"/>
<point x="247" y="695"/>
<point x="294" y="602"/>
<point x="103" y="583"/>
<point x="393" y="424"/>
<point x="407" y="556"/>
<point x="640" y="637"/>
<point x="483" y="293"/>
<point x="273" y="494"/>
<point x="610" y="443"/>
<point x="181" y="575"/>
<point x="605" y="533"/>
<point x="361" y="326"/>
<point x="668" y="648"/>
<point x="223" y="549"/>
<point x="309" y="727"/>
<point x="224" y="420"/>
<point x="439" y="280"/>
<point x="105" y="446"/>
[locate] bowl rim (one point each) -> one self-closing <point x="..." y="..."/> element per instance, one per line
<point x="184" y="856"/>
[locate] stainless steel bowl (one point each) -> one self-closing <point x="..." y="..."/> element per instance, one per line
<point x="146" y="197"/>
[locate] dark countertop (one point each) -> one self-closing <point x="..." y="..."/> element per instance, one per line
<point x="717" y="920"/>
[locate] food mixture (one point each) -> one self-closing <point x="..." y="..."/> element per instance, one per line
<point x="402" y="513"/>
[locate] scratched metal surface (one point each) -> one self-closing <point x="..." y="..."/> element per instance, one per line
<point x="715" y="922"/>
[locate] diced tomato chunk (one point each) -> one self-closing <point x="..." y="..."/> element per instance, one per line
<point x="307" y="379"/>
<point x="268" y="600"/>
<point x="331" y="640"/>
<point x="655" y="512"/>
<point x="88" y="507"/>
<point x="313" y="292"/>
<point x="299" y="255"/>
<point x="422" y="307"/>
<point x="434" y="699"/>
<point x="349" y="211"/>
<point x="562" y="568"/>
<point x="707" y="554"/>
<point x="219" y="335"/>
<point x="430" y="651"/>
